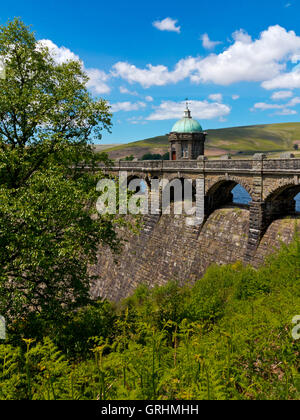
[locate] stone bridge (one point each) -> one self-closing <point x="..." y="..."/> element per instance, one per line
<point x="271" y="183"/>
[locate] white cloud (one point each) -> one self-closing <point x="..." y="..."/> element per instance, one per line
<point x="124" y="90"/>
<point x="247" y="60"/>
<point x="289" y="80"/>
<point x="293" y="102"/>
<point x="242" y="36"/>
<point x="207" y="43"/>
<point x="59" y="54"/>
<point x="63" y="55"/>
<point x="295" y="58"/>
<point x="282" y="94"/>
<point x="203" y="110"/>
<point x="149" y="98"/>
<point x="286" y="111"/>
<point x="136" y="120"/>
<point x="127" y="106"/>
<point x="97" y="79"/>
<point x="264" y="106"/>
<point x="244" y="60"/>
<point x="167" y="24"/>
<point x="154" y="75"/>
<point x="235" y="97"/>
<point x="216" y="97"/>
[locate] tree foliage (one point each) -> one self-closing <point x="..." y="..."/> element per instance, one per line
<point x="48" y="231"/>
<point x="156" y="156"/>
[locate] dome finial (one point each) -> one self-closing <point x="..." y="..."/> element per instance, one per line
<point x="187" y="112"/>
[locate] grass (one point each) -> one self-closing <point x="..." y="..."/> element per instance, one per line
<point x="271" y="138"/>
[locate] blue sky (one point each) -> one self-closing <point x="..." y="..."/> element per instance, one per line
<point x="236" y="61"/>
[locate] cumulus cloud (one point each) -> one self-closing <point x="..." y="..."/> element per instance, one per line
<point x="167" y="24"/>
<point x="154" y="75"/>
<point x="216" y="97"/>
<point x="283" y="107"/>
<point x="235" y="97"/>
<point x="97" y="81"/>
<point x="207" y="43"/>
<point x="149" y="98"/>
<point x="127" y="106"/>
<point x="289" y="80"/>
<point x="242" y="36"/>
<point x="59" y="54"/>
<point x="203" y="110"/>
<point x="248" y="60"/>
<point x="263" y="106"/>
<point x="282" y="94"/>
<point x="124" y="90"/>
<point x="244" y="60"/>
<point x="98" y="78"/>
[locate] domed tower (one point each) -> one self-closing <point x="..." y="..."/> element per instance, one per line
<point x="186" y="138"/>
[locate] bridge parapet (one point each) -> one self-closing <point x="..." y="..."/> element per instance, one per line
<point x="279" y="164"/>
<point x="251" y="165"/>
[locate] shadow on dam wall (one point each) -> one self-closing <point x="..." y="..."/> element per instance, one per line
<point x="167" y="249"/>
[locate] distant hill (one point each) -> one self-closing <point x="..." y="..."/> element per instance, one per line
<point x="241" y="141"/>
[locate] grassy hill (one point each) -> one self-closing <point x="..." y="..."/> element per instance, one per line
<point x="242" y="141"/>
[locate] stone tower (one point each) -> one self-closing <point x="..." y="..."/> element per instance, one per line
<point x="186" y="138"/>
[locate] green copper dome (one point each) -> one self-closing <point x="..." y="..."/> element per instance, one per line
<point x="186" y="124"/>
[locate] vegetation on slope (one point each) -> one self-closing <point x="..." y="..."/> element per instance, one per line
<point x="246" y="140"/>
<point x="226" y="337"/>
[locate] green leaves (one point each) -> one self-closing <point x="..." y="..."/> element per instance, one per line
<point x="49" y="234"/>
<point x="45" y="108"/>
<point x="48" y="241"/>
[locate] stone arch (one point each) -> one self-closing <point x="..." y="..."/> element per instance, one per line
<point x="220" y="192"/>
<point x="217" y="181"/>
<point x="281" y="202"/>
<point x="278" y="188"/>
<point x="173" y="176"/>
<point x="142" y="178"/>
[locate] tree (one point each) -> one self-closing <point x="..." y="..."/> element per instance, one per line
<point x="49" y="234"/>
<point x="129" y="158"/>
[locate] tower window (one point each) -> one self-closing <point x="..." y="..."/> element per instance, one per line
<point x="184" y="150"/>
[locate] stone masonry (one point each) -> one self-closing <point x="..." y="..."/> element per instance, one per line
<point x="168" y="249"/>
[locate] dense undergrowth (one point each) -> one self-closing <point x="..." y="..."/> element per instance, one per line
<point x="226" y="337"/>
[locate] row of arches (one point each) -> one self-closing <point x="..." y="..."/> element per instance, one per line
<point x="285" y="200"/>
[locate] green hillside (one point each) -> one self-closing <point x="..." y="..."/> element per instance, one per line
<point x="229" y="336"/>
<point x="272" y="138"/>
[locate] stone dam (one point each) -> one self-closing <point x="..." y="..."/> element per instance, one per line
<point x="168" y="249"/>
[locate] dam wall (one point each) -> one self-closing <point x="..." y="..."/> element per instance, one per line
<point x="167" y="249"/>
